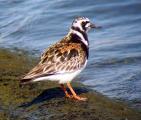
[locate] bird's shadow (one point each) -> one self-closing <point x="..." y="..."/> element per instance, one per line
<point x="51" y="93"/>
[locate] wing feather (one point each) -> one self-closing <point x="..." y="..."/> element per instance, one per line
<point x="60" y="58"/>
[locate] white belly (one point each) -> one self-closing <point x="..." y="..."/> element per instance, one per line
<point x="62" y="77"/>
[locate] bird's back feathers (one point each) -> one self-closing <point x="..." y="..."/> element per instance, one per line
<point x="58" y="59"/>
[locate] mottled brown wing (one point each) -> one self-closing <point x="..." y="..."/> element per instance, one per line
<point x="60" y="58"/>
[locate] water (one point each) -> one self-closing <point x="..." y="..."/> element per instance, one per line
<point x="114" y="67"/>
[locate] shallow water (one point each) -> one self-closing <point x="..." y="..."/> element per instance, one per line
<point x="114" y="67"/>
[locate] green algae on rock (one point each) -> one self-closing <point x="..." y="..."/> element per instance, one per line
<point x="46" y="101"/>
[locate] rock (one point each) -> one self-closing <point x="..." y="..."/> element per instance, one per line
<point x="46" y="101"/>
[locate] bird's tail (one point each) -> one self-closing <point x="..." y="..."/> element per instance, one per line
<point x="25" y="80"/>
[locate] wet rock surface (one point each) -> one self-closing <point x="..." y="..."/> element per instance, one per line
<point x="46" y="101"/>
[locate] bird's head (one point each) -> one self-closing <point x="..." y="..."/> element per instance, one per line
<point x="80" y="27"/>
<point x="82" y="24"/>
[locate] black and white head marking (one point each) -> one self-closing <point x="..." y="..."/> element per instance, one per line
<point x="80" y="27"/>
<point x="82" y="23"/>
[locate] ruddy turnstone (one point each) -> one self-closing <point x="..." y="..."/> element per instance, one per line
<point x="64" y="60"/>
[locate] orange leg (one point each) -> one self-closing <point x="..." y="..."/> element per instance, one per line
<point x="75" y="96"/>
<point x="65" y="91"/>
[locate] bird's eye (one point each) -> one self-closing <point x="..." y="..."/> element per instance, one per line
<point x="85" y="23"/>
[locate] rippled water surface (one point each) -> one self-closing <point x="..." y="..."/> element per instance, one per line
<point x="114" y="67"/>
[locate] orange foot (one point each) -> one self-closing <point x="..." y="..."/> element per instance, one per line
<point x="68" y="95"/>
<point x="76" y="97"/>
<point x="66" y="92"/>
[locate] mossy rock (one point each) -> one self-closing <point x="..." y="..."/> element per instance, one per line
<point x="46" y="101"/>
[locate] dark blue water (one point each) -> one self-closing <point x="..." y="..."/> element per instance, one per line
<point x="114" y="67"/>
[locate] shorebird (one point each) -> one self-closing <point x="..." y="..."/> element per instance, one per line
<point x="66" y="59"/>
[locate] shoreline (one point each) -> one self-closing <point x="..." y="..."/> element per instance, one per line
<point x="45" y="100"/>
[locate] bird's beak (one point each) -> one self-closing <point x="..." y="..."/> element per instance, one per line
<point x="94" y="26"/>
